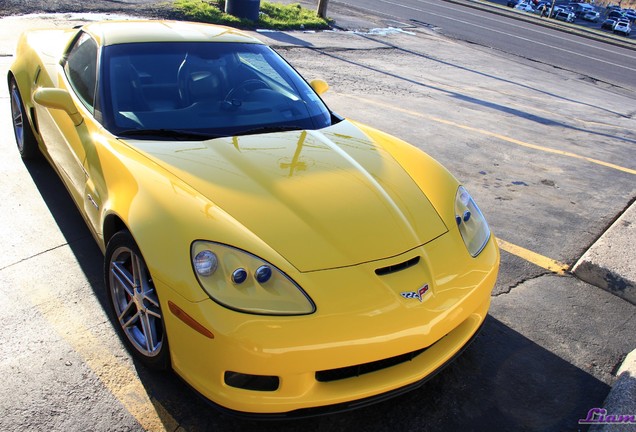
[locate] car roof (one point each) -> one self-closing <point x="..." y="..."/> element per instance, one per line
<point x="132" y="31"/>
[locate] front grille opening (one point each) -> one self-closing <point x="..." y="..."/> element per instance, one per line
<point x="397" y="267"/>
<point x="365" y="368"/>
<point x="252" y="382"/>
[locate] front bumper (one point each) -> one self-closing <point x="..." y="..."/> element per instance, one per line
<point x="354" y="350"/>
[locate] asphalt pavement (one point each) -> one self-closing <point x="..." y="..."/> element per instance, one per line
<point x="610" y="263"/>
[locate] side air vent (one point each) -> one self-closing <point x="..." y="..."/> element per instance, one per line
<point x="397" y="267"/>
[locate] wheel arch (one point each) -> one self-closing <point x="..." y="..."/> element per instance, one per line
<point x="112" y="225"/>
<point x="28" y="105"/>
<point x="121" y="300"/>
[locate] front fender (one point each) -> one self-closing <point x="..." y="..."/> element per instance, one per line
<point x="165" y="216"/>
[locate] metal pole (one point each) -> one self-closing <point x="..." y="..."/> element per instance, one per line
<point x="322" y="8"/>
<point x="551" y="9"/>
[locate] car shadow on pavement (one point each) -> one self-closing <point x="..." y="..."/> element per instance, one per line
<point x="70" y="222"/>
<point x="286" y="37"/>
<point x="503" y="381"/>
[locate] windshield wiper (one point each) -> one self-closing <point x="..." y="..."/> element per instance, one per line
<point x="168" y="133"/>
<point x="269" y="129"/>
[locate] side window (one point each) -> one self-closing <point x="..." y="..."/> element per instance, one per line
<point x="80" y="67"/>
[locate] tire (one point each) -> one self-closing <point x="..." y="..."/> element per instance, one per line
<point x="24" y="136"/>
<point x="136" y="311"/>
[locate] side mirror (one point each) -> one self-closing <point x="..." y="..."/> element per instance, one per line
<point x="319" y="86"/>
<point x="58" y="99"/>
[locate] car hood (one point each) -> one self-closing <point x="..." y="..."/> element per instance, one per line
<point x="321" y="199"/>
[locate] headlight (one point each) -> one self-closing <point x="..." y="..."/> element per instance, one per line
<point x="471" y="222"/>
<point x="241" y="281"/>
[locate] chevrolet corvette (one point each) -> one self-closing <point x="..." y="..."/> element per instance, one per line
<point x="281" y="259"/>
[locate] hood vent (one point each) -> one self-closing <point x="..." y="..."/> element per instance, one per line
<point x="397" y="267"/>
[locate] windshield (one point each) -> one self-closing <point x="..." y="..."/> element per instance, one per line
<point x="204" y="90"/>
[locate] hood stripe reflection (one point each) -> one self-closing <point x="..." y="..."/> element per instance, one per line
<point x="378" y="187"/>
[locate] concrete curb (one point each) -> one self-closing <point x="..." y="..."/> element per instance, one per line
<point x="621" y="400"/>
<point x="606" y="263"/>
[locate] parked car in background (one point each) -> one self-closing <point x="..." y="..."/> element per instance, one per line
<point x="564" y="15"/>
<point x="581" y="8"/>
<point x="543" y="8"/>
<point x="525" y="7"/>
<point x="616" y="14"/>
<point x="608" y="24"/>
<point x="556" y="9"/>
<point x="623" y="27"/>
<point x="592" y="16"/>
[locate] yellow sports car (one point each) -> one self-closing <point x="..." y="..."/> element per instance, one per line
<point x="281" y="259"/>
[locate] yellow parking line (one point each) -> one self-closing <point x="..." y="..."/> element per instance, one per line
<point x="496" y="135"/>
<point x="533" y="257"/>
<point x="119" y="378"/>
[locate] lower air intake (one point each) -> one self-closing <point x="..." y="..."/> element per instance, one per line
<point x="365" y="368"/>
<point x="251" y="382"/>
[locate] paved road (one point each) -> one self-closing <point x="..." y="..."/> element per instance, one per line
<point x="548" y="154"/>
<point x="596" y="60"/>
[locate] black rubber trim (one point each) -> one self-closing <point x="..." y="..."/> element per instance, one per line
<point x="397" y="267"/>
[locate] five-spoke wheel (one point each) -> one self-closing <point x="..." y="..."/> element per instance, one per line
<point x="134" y="301"/>
<point x="24" y="137"/>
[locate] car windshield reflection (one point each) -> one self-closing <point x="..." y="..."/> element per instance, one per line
<point x="206" y="89"/>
